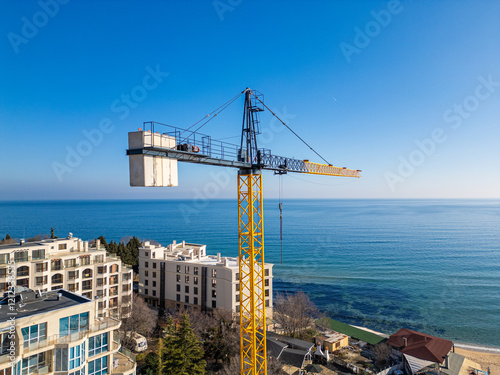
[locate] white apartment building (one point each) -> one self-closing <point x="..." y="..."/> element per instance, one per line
<point x="74" y="265"/>
<point x="182" y="275"/>
<point x="58" y="332"/>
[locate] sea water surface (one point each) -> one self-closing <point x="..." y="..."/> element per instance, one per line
<point x="428" y="265"/>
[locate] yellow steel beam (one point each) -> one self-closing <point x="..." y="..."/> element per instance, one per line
<point x="329" y="170"/>
<point x="251" y="267"/>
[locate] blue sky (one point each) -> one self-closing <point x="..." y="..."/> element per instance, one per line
<point x="407" y="91"/>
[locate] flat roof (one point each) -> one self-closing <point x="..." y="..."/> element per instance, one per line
<point x="47" y="303"/>
<point x="354" y="332"/>
<point x="35" y="243"/>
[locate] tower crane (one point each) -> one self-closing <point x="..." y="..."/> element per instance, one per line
<point x="153" y="156"/>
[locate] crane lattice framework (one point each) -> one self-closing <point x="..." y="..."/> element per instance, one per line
<point x="153" y="160"/>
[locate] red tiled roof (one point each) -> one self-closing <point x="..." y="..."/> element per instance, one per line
<point x="421" y="345"/>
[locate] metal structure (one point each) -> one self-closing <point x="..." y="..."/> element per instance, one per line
<point x="250" y="162"/>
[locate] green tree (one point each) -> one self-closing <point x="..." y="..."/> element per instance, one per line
<point x="7" y="240"/>
<point x="52" y="235"/>
<point x="183" y="352"/>
<point x="152" y="364"/>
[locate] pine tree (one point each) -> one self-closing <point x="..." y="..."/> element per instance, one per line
<point x="183" y="353"/>
<point x="103" y="242"/>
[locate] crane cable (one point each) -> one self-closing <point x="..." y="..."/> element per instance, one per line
<point x="280" y="194"/>
<point x="275" y="115"/>
<point x="220" y="108"/>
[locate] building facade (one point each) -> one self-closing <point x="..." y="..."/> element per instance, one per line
<point x="74" y="265"/>
<point x="183" y="276"/>
<point x="58" y="332"/>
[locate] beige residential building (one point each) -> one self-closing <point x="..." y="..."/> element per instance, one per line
<point x="182" y="275"/>
<point x="58" y="332"/>
<point x="74" y="265"/>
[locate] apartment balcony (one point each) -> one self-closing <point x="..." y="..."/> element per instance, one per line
<point x="124" y="362"/>
<point x="106" y="324"/>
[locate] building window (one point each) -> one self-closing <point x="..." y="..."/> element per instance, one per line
<point x="154" y="274"/>
<point x="98" y="366"/>
<point x="101" y="305"/>
<point x="178" y="287"/>
<point x="186" y="299"/>
<point x="87" y="273"/>
<point x="63" y="246"/>
<point x="195" y="270"/>
<point x="98" y="344"/>
<point x="68" y="263"/>
<point x="186" y="289"/>
<point x="266" y="282"/>
<point x="178" y="297"/>
<point x="101" y="293"/>
<point x="195" y="300"/>
<point x="146" y="253"/>
<point x="237" y="298"/>
<point x="31" y="364"/>
<point x="73" y="287"/>
<point x="267" y="292"/>
<point x="146" y="273"/>
<point x="146" y="264"/>
<point x="195" y="280"/>
<point x="21" y="256"/>
<point x="102" y="269"/>
<point x="87" y="285"/>
<point x="101" y="281"/>
<point x="178" y="268"/>
<point x="114" y="268"/>
<point x="22" y="282"/>
<point x="237" y="308"/>
<point x="237" y="286"/>
<point x="146" y="282"/>
<point x="34" y="334"/>
<point x="154" y="264"/>
<point x="153" y="255"/>
<point x="4" y="258"/>
<point x="186" y="269"/>
<point x="186" y="279"/>
<point x="237" y="276"/>
<point x="146" y="291"/>
<point x="154" y="293"/>
<point x="73" y="324"/>
<point x="38" y="254"/>
<point x="214" y="273"/>
<point x="214" y="293"/>
<point x="84" y="260"/>
<point x="3" y="287"/>
<point x="87" y="294"/>
<point x="41" y="267"/>
<point x="214" y="283"/>
<point x="23" y="271"/>
<point x="195" y="290"/>
<point x="266" y="271"/>
<point x="113" y="280"/>
<point x="178" y="278"/>
<point x="76" y="356"/>
<point x="56" y="265"/>
<point x="214" y="304"/>
<point x="40" y="280"/>
<point x="72" y="275"/>
<point x="267" y="303"/>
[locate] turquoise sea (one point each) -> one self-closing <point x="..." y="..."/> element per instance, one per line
<point x="428" y="265"/>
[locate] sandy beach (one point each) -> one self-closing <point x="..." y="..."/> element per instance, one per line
<point x="485" y="359"/>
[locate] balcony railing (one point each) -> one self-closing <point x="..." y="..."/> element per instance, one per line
<point x="125" y="364"/>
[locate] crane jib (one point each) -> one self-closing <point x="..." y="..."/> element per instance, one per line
<point x="266" y="162"/>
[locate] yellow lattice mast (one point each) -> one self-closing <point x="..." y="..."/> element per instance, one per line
<point x="153" y="162"/>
